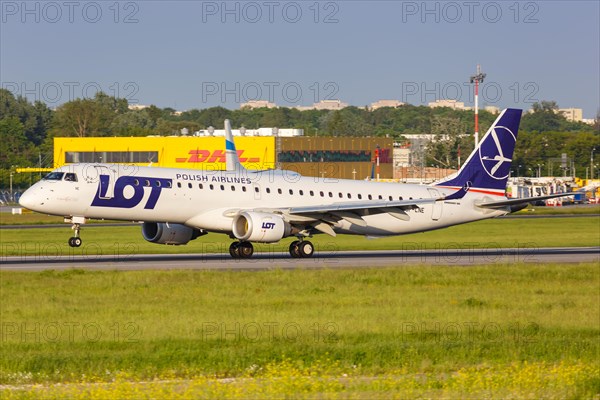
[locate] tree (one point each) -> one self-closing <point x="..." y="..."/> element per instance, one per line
<point x="450" y="138"/>
<point x="15" y="148"/>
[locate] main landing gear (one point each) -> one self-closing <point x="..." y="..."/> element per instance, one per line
<point x="298" y="249"/>
<point x="241" y="249"/>
<point x="75" y="241"/>
<point x="301" y="249"/>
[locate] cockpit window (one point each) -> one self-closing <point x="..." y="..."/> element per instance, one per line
<point x="71" y="177"/>
<point x="54" y="176"/>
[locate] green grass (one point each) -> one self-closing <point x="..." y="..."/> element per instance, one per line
<point x="543" y="232"/>
<point x="433" y="330"/>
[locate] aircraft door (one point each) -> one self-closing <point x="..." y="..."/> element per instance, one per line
<point x="436" y="212"/>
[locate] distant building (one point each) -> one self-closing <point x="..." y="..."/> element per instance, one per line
<point x="386" y="103"/>
<point x="280" y="132"/>
<point x="572" y="114"/>
<point x="492" y="109"/>
<point x="454" y="104"/>
<point x="137" y="107"/>
<point x="325" y="105"/>
<point x="258" y="104"/>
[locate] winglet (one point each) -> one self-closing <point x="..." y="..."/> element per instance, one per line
<point x="232" y="161"/>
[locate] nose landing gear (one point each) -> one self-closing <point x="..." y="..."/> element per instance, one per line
<point x="75" y="241"/>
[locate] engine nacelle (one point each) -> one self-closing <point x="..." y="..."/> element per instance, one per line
<point x="260" y="227"/>
<point x="167" y="233"/>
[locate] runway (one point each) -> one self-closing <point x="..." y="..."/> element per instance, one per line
<point x="324" y="259"/>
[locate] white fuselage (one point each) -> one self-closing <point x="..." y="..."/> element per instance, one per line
<point x="209" y="200"/>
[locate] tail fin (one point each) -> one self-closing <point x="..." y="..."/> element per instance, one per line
<point x="488" y="166"/>
<point x="232" y="160"/>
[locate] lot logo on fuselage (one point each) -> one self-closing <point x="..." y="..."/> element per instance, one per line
<point x="135" y="194"/>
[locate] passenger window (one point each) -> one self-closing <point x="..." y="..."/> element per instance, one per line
<point x="380" y="197"/>
<point x="157" y="183"/>
<point x="391" y="198"/>
<point x="360" y="196"/>
<point x="291" y="192"/>
<point x="301" y="192"/>
<point x="370" y="197"/>
<point x="349" y="196"/>
<point x="179" y="184"/>
<point x="200" y="186"/>
<point x="340" y="195"/>
<point x="212" y="187"/>
<point x="256" y="189"/>
<point x="189" y="185"/>
<point x="400" y="198"/>
<point x="312" y="193"/>
<point x="232" y="188"/>
<point x="268" y="190"/>
<point x="279" y="191"/>
<point x="243" y="188"/>
<point x="222" y="187"/>
<point x="330" y="194"/>
<point x="136" y="182"/>
<point x="147" y="183"/>
<point x="322" y="194"/>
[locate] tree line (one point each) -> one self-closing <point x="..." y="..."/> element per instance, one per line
<point x="27" y="129"/>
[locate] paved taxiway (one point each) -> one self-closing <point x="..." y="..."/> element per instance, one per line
<point x="324" y="259"/>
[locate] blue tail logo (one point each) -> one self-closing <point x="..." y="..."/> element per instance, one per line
<point x="488" y="166"/>
<point x="492" y="152"/>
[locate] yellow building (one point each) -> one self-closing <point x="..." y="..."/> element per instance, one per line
<point x="350" y="158"/>
<point x="169" y="151"/>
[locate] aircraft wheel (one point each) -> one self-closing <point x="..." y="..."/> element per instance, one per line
<point x="234" y="249"/>
<point x="75" y="242"/>
<point x="295" y="249"/>
<point x="306" y="249"/>
<point x="246" y="250"/>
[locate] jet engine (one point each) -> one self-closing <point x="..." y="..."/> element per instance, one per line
<point x="167" y="233"/>
<point x="260" y="227"/>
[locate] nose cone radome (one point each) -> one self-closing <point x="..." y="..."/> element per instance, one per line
<point x="27" y="200"/>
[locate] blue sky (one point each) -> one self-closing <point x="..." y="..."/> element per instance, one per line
<point x="199" y="54"/>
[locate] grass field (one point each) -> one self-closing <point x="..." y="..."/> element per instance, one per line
<point x="524" y="331"/>
<point x="517" y="233"/>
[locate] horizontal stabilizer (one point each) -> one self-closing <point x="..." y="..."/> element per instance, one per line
<point x="520" y="201"/>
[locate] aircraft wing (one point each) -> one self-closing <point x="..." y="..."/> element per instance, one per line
<point x="519" y="201"/>
<point x="322" y="217"/>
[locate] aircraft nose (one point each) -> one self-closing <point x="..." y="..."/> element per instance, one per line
<point x="27" y="199"/>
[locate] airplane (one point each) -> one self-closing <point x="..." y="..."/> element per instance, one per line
<point x="265" y="206"/>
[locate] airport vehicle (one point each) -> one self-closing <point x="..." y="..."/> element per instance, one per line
<point x="179" y="205"/>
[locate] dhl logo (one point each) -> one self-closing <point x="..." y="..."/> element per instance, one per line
<point x="202" y="156"/>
